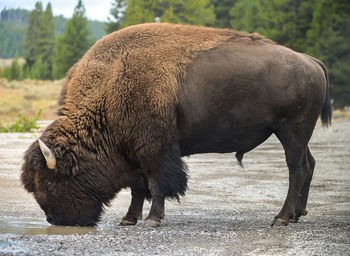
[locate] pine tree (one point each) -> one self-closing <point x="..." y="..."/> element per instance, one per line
<point x="40" y="41"/>
<point x="173" y="11"/>
<point x="31" y="48"/>
<point x="256" y="16"/>
<point x="46" y="42"/>
<point x="15" y="69"/>
<point x="6" y="73"/>
<point x="303" y="24"/>
<point x="328" y="39"/>
<point x="73" y="44"/>
<point x="36" y="70"/>
<point x="292" y="20"/>
<point x="222" y="12"/>
<point x="117" y="11"/>
<point x="140" y="11"/>
<point x="60" y="60"/>
<point x="192" y="12"/>
<point x="284" y="21"/>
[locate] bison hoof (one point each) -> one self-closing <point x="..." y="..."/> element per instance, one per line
<point x="279" y="222"/>
<point x="294" y="220"/>
<point x="152" y="223"/>
<point x="128" y="222"/>
<point x="301" y="213"/>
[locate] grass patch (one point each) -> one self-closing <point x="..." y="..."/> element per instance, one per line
<point x="23" y="99"/>
<point x="33" y="136"/>
<point x="22" y="124"/>
<point x="340" y="114"/>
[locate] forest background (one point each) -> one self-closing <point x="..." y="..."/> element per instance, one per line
<point x="44" y="47"/>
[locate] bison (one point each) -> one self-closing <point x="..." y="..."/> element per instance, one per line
<point x="145" y="96"/>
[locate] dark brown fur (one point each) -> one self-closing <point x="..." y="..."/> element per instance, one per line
<point x="146" y="95"/>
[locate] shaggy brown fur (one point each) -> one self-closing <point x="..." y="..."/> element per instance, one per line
<point x="146" y="95"/>
<point x="140" y="66"/>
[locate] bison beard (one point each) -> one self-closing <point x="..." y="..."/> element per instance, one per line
<point x="145" y="96"/>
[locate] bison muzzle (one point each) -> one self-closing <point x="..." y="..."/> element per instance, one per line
<point x="144" y="96"/>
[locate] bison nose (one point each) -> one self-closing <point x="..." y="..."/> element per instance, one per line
<point x="49" y="219"/>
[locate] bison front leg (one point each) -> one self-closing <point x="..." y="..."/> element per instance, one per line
<point x="156" y="213"/>
<point x="135" y="209"/>
<point x="169" y="180"/>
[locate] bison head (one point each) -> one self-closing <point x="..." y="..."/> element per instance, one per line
<point x="66" y="195"/>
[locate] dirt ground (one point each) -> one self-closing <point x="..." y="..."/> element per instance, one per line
<point x="227" y="209"/>
<point x="27" y="97"/>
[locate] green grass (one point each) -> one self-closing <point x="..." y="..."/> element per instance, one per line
<point x="22" y="124"/>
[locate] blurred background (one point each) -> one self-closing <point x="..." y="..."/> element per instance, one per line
<point x="41" y="40"/>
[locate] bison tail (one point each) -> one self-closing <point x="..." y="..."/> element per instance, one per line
<point x="326" y="112"/>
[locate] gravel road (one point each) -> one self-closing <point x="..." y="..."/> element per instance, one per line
<point x="227" y="209"/>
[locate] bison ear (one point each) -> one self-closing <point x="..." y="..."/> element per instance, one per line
<point x="49" y="156"/>
<point x="27" y="179"/>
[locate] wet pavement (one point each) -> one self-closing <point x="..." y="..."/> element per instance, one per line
<point x="227" y="209"/>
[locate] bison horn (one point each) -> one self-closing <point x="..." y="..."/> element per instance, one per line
<point x="49" y="156"/>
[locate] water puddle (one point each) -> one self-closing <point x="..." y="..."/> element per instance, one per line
<point x="36" y="226"/>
